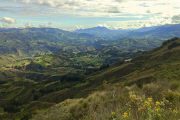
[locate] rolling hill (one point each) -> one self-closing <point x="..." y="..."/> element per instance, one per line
<point x="156" y="71"/>
<point x="30" y="41"/>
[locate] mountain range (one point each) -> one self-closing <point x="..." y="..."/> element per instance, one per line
<point x="30" y="41"/>
<point x="156" y="32"/>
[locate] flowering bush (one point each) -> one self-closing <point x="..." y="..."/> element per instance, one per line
<point x="144" y="108"/>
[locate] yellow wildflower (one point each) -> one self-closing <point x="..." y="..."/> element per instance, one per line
<point x="125" y="115"/>
<point x="147" y="104"/>
<point x="158" y="103"/>
<point x="150" y="99"/>
<point x="113" y="114"/>
<point x="157" y="109"/>
<point x="132" y="96"/>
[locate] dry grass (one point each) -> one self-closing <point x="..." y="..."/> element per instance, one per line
<point x="119" y="103"/>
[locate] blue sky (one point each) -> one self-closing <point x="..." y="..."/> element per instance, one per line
<point x="74" y="14"/>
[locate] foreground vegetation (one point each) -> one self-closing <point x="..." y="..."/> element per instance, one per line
<point x="119" y="103"/>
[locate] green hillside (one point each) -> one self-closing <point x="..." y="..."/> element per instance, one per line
<point x="148" y="87"/>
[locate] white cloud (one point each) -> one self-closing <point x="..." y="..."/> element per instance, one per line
<point x="150" y="12"/>
<point x="7" y="20"/>
<point x="137" y="23"/>
<point x="108" y="7"/>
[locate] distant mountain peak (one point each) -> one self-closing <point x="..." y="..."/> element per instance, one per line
<point x="101" y="27"/>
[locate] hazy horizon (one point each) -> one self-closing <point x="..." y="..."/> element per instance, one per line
<point x="76" y="14"/>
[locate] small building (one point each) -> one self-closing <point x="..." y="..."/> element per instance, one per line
<point x="128" y="60"/>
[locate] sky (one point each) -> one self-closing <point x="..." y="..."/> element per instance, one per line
<point x="76" y="14"/>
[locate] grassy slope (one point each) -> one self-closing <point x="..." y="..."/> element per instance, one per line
<point x="154" y="74"/>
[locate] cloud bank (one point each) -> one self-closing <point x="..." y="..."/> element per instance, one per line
<point x="7" y="20"/>
<point x="131" y="13"/>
